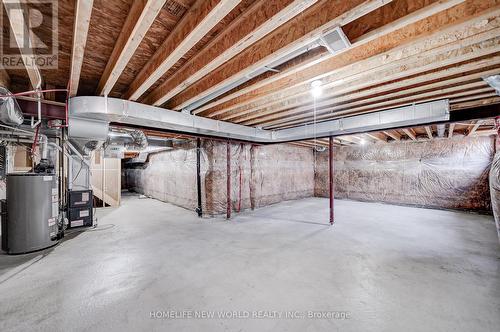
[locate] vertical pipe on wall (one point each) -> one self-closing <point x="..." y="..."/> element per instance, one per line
<point x="331" y="178"/>
<point x="199" y="209"/>
<point x="497" y="127"/>
<point x="228" y="180"/>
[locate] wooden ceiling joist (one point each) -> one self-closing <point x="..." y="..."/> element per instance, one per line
<point x="83" y="12"/>
<point x="382" y="92"/>
<point x="142" y="14"/>
<point x="201" y="18"/>
<point x="442" y="94"/>
<point x="475" y="127"/>
<point x="436" y="75"/>
<point x="297" y="82"/>
<point x="479" y="44"/>
<point x="486" y="132"/>
<point x="260" y="19"/>
<point x="393" y="134"/>
<point x="428" y="131"/>
<point x="451" y="129"/>
<point x="410" y="133"/>
<point x="295" y="34"/>
<point x="377" y="136"/>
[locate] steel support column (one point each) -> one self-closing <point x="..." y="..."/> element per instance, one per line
<point x="199" y="209"/>
<point x="331" y="177"/>
<point x="228" y="180"/>
<point x="497" y="127"/>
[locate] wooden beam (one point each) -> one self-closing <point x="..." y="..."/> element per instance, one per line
<point x="296" y="34"/>
<point x="451" y="129"/>
<point x="494" y="99"/>
<point x="428" y="130"/>
<point x="410" y="133"/>
<point x="295" y="82"/>
<point x="83" y="12"/>
<point x="194" y="25"/>
<point x="18" y="29"/>
<point x="393" y="134"/>
<point x="360" y="76"/>
<point x="260" y="19"/>
<point x="386" y="103"/>
<point x="475" y="127"/>
<point x="301" y="145"/>
<point x="486" y="132"/>
<point x="444" y="94"/>
<point x="379" y="93"/>
<point x="475" y="97"/>
<point x="350" y="139"/>
<point x="142" y="14"/>
<point x="377" y="136"/>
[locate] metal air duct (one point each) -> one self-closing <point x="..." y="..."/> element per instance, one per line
<point x="119" y="111"/>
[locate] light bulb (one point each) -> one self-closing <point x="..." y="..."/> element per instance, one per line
<point x="316" y="88"/>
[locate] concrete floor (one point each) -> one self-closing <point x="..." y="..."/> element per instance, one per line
<point x="380" y="268"/>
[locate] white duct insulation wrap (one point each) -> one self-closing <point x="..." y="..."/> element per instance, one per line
<point x="438" y="173"/>
<point x="10" y="113"/>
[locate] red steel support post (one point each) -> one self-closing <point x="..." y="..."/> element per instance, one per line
<point x="497" y="127"/>
<point x="228" y="179"/>
<point x="331" y="178"/>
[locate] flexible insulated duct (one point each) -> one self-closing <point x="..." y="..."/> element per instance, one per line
<point x="130" y="139"/>
<point x="10" y="112"/>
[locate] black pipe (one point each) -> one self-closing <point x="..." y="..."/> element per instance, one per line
<point x="199" y="209"/>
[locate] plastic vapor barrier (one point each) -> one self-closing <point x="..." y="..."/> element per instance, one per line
<point x="438" y="173"/>
<point x="495" y="190"/>
<point x="259" y="175"/>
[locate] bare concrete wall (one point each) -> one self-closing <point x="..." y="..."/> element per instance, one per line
<point x="439" y="173"/>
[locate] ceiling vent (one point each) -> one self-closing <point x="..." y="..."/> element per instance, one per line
<point x="335" y="40"/>
<point x="494" y="82"/>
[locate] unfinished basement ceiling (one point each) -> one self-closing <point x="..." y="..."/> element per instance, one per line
<point x="252" y="62"/>
<point x="475" y="128"/>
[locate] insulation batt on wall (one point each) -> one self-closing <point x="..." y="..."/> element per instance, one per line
<point x="495" y="189"/>
<point x="438" y="173"/>
<point x="260" y="175"/>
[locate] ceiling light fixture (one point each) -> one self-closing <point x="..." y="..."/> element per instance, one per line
<point x="316" y="88"/>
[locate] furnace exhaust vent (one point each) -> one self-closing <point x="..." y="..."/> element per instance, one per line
<point x="335" y="40"/>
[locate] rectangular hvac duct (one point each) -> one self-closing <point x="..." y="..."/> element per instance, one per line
<point x="406" y="116"/>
